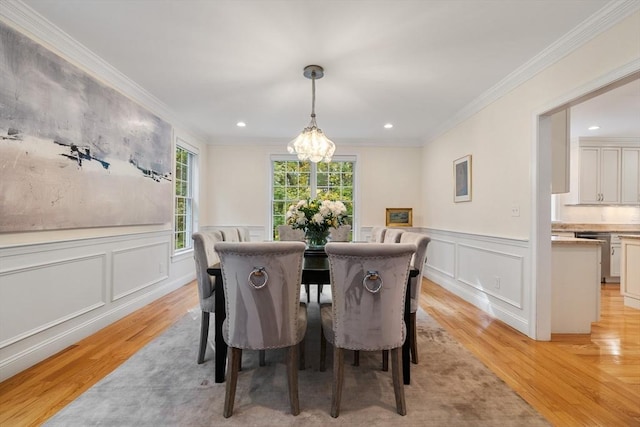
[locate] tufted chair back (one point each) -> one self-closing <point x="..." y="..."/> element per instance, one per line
<point x="340" y="234"/>
<point x="377" y="234"/>
<point x="392" y="235"/>
<point x="417" y="261"/>
<point x="288" y="233"/>
<point x="243" y="234"/>
<point x="267" y="317"/>
<point x="230" y="234"/>
<point x="363" y="320"/>
<point x="204" y="255"/>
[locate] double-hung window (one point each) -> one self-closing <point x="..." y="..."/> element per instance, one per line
<point x="293" y="180"/>
<point x="184" y="189"/>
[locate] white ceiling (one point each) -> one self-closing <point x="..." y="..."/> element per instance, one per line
<point x="413" y="63"/>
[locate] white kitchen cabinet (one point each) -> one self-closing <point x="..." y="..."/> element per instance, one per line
<point x="599" y="175"/>
<point x="630" y="270"/>
<point x="614" y="253"/>
<point x="575" y="285"/>
<point x="630" y="181"/>
<point x="604" y="171"/>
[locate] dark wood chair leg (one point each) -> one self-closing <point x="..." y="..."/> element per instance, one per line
<point x="385" y="360"/>
<point x="319" y="292"/>
<point x="306" y="288"/>
<point x="204" y="335"/>
<point x="240" y="361"/>
<point x="261" y="357"/>
<point x="398" y="383"/>
<point x="232" y="379"/>
<point x="414" y="341"/>
<point x="323" y="351"/>
<point x="338" y="378"/>
<point x="301" y="351"/>
<point x="292" y="376"/>
<point x="356" y="357"/>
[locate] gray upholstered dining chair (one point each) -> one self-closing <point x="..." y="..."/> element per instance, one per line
<point x="417" y="261"/>
<point x="340" y="234"/>
<point x="243" y="234"/>
<point x="288" y="233"/>
<point x="230" y="234"/>
<point x="204" y="256"/>
<point x="392" y="235"/>
<point x="262" y="290"/>
<point x="377" y="234"/>
<point x="368" y="285"/>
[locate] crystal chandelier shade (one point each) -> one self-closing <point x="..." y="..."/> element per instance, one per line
<point x="312" y="144"/>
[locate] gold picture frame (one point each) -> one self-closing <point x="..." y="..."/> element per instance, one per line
<point x="399" y="217"/>
<point x="462" y="179"/>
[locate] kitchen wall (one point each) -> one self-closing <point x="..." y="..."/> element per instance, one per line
<point x="593" y="214"/>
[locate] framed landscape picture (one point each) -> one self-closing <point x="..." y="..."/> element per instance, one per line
<point x="399" y="217"/>
<point x="462" y="179"/>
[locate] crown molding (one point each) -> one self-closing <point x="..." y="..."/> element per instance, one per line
<point x="35" y="26"/>
<point x="597" y="23"/>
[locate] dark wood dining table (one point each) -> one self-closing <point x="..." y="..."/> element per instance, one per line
<point x="315" y="271"/>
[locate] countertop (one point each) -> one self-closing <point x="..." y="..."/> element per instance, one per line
<point x="575" y="241"/>
<point x="629" y="236"/>
<point x="611" y="228"/>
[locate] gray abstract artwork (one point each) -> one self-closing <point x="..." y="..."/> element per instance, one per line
<point x="75" y="153"/>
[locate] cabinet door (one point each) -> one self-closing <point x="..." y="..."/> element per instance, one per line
<point x="630" y="176"/>
<point x="615" y="260"/>
<point x="589" y="166"/>
<point x="610" y="175"/>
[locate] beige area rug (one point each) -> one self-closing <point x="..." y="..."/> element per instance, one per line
<point x="162" y="385"/>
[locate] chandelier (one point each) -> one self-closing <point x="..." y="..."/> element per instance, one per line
<point x="312" y="144"/>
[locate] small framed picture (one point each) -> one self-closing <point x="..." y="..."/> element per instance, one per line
<point x="399" y="217"/>
<point x="462" y="179"/>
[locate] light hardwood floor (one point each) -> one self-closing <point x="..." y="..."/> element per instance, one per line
<point x="574" y="380"/>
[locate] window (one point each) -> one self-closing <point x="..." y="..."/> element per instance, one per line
<point x="293" y="180"/>
<point x="183" y="220"/>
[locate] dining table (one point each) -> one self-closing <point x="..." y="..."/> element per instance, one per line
<point x="315" y="270"/>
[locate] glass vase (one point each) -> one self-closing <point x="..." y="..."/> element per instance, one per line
<point x="316" y="239"/>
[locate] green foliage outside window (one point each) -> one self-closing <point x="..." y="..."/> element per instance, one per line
<point x="294" y="180"/>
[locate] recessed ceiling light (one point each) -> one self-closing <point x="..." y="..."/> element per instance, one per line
<point x="388" y="126"/>
<point x="241" y="124"/>
<point x="594" y="127"/>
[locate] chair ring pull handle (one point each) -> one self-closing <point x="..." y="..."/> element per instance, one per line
<point x="372" y="276"/>
<point x="258" y="272"/>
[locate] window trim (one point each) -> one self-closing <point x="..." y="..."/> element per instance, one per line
<point x="194" y="190"/>
<point x="313" y="182"/>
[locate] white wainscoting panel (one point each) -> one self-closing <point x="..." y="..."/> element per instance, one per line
<point x="54" y="294"/>
<point x="490" y="272"/>
<point x="441" y="256"/>
<point x="138" y="267"/>
<point x="27" y="295"/>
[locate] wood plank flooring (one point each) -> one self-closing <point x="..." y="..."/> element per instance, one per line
<point x="574" y="380"/>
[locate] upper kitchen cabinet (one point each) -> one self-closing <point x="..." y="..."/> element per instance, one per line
<point x="630" y="176"/>
<point x="604" y="171"/>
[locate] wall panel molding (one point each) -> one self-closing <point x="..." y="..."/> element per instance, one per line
<point x="77" y="278"/>
<point x="490" y="272"/>
<point x="137" y="267"/>
<point x="32" y="285"/>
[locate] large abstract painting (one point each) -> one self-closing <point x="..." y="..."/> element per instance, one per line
<point x="75" y="153"/>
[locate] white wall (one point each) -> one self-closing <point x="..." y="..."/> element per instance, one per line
<point x="502" y="138"/>
<point x="239" y="183"/>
